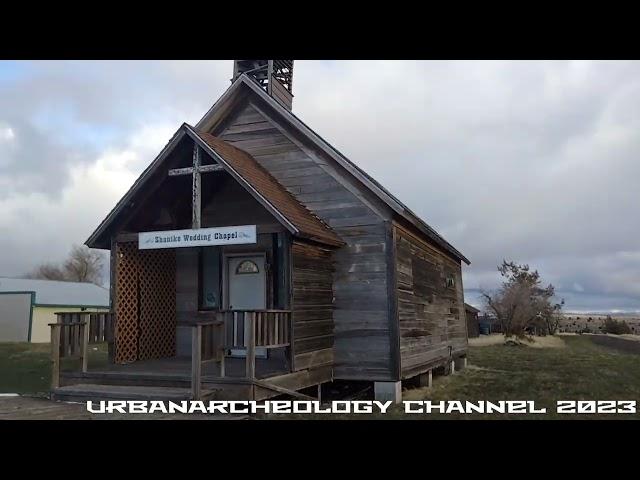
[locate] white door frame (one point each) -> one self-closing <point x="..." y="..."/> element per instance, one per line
<point x="225" y="274"/>
<point x="261" y="352"/>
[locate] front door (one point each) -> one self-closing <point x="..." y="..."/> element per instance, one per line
<point x="246" y="288"/>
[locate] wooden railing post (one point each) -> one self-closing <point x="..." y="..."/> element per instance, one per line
<point x="223" y="341"/>
<point x="196" y="364"/>
<point x="250" y="340"/>
<point x="109" y="335"/>
<point x="55" y="355"/>
<point x="84" y="331"/>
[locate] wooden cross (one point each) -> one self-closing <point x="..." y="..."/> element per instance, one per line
<point x="196" y="171"/>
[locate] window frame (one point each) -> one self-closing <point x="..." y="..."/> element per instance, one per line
<point x="201" y="306"/>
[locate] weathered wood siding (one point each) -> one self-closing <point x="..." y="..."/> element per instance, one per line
<point x="473" y="328"/>
<point x="363" y="346"/>
<point x="432" y="322"/>
<point x="312" y="304"/>
<point x="231" y="204"/>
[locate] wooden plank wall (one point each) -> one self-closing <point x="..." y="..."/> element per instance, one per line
<point x="431" y="315"/>
<point x="363" y="348"/>
<point x="312" y="302"/>
<point x="231" y="204"/>
<point x="473" y="327"/>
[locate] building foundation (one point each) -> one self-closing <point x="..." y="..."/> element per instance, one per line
<point x="385" y="391"/>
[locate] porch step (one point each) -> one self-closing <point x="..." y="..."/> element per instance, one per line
<point x="85" y="392"/>
<point x="127" y="379"/>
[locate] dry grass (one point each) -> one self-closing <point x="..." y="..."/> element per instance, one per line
<point x="499" y="339"/>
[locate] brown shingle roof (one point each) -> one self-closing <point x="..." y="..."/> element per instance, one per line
<point x="307" y="224"/>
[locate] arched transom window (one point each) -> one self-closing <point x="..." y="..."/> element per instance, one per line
<point x="247" y="267"/>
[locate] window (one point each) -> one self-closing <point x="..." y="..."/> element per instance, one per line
<point x="210" y="278"/>
<point x="246" y="268"/>
<point x="450" y="282"/>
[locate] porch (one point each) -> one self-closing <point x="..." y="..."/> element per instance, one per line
<point x="224" y="363"/>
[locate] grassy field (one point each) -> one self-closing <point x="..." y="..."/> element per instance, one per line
<point x="570" y="368"/>
<point x="26" y="367"/>
<point x="579" y="370"/>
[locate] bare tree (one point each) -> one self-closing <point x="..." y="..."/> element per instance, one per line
<point x="82" y="265"/>
<point x="522" y="303"/>
<point x="47" y="271"/>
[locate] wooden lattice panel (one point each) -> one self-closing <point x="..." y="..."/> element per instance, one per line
<point x="157" y="304"/>
<point x="127" y="311"/>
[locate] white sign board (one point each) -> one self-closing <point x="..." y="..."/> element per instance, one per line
<point x="201" y="237"/>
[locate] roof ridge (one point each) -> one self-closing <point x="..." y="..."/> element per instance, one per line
<point x="316" y="223"/>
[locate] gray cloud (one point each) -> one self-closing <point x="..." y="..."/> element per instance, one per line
<point x="533" y="161"/>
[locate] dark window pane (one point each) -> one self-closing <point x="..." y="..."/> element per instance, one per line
<point x="210" y="277"/>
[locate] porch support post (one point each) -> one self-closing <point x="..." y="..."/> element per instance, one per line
<point x="196" y="364"/>
<point x="460" y="363"/>
<point x="425" y="379"/>
<point x="85" y="343"/>
<point x="251" y="344"/>
<point x="223" y="340"/>
<point x="385" y="391"/>
<point x="55" y="355"/>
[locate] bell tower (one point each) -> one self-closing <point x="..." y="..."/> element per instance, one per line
<point x="274" y="76"/>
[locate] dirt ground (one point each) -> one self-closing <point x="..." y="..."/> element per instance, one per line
<point x="620" y="343"/>
<point x="37" y="408"/>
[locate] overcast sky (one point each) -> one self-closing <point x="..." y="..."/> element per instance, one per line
<point x="538" y="162"/>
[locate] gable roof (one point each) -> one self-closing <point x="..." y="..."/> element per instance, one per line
<point x="222" y="105"/>
<point x="250" y="174"/>
<point x="246" y="169"/>
<point x="55" y="293"/>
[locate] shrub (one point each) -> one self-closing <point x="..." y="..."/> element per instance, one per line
<point x="615" y="327"/>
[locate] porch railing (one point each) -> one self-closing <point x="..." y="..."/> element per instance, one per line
<point x="72" y="335"/>
<point x="237" y="329"/>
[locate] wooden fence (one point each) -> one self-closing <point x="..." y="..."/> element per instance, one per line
<point x="72" y="335"/>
